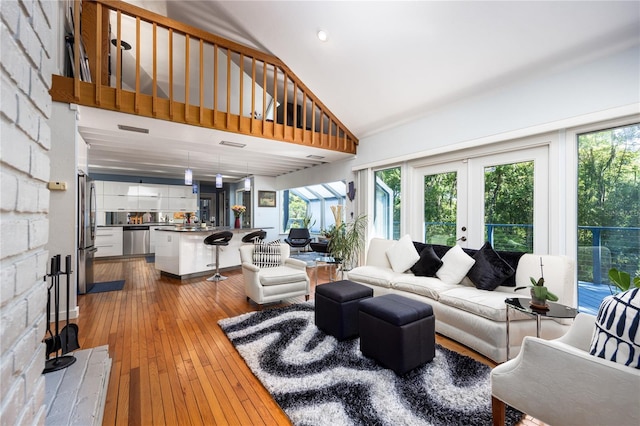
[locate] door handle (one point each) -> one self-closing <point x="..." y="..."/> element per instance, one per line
<point x="463" y="238"/>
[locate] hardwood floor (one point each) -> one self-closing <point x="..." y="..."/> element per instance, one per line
<point x="172" y="364"/>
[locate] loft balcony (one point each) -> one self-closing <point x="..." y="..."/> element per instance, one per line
<point x="134" y="61"/>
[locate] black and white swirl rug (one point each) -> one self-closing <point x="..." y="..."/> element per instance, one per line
<point x="320" y="381"/>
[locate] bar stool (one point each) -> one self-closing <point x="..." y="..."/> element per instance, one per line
<point x="254" y="236"/>
<point x="218" y="239"/>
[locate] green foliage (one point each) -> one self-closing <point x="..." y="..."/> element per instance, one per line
<point x="347" y="240"/>
<point x="622" y="280"/>
<point x="392" y="178"/>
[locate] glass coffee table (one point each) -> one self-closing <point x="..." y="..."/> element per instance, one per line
<point x="327" y="261"/>
<point x="555" y="310"/>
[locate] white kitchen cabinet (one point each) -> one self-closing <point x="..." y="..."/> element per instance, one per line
<point x="180" y="191"/>
<point x="99" y="185"/>
<point x="153" y="204"/>
<point x="154" y="235"/>
<point x="120" y="188"/>
<point x="153" y="190"/>
<point x="183" y="204"/>
<point x="114" y="203"/>
<point x="109" y="241"/>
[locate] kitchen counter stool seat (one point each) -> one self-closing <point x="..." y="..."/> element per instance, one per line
<point x="254" y="236"/>
<point x="218" y="239"/>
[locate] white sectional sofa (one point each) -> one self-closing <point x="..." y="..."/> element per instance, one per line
<point x="473" y="317"/>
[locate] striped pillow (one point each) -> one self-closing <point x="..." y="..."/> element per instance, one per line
<point x="267" y="255"/>
<point x="617" y="333"/>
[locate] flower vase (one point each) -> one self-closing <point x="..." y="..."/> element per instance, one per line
<point x="238" y="225"/>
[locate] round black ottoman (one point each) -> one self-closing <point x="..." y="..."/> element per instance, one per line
<point x="336" y="307"/>
<point x="397" y="332"/>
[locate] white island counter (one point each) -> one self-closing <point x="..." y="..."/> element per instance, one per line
<point x="181" y="252"/>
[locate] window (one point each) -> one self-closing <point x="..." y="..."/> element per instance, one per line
<point x="608" y="206"/>
<point x="387" y="206"/>
<point x="312" y="204"/>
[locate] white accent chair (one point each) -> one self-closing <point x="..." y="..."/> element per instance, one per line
<point x="266" y="285"/>
<point x="560" y="383"/>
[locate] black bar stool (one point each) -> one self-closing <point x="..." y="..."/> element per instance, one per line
<point x="254" y="236"/>
<point x="218" y="239"/>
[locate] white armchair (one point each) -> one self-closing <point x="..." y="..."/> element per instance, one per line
<point x="265" y="285"/>
<point x="560" y="383"/>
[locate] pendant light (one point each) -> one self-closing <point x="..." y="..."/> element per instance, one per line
<point x="188" y="174"/>
<point x="247" y="181"/>
<point x="218" y="176"/>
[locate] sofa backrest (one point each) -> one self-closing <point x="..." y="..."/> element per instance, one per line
<point x="377" y="252"/>
<point x="559" y="275"/>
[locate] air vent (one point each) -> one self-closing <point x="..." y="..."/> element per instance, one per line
<point x="315" y="157"/>
<point x="233" y="144"/>
<point x="132" y="129"/>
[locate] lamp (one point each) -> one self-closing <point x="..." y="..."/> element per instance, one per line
<point x="247" y="181"/>
<point x="218" y="176"/>
<point x="188" y="174"/>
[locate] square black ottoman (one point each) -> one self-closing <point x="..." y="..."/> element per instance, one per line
<point x="397" y="332"/>
<point x="336" y="311"/>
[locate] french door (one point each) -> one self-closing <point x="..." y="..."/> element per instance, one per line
<point x="501" y="198"/>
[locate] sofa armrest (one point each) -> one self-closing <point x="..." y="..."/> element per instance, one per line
<point x="580" y="333"/>
<point x="250" y="267"/>
<point x="560" y="384"/>
<point x="296" y="263"/>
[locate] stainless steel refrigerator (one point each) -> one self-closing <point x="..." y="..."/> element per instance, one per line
<point x="86" y="232"/>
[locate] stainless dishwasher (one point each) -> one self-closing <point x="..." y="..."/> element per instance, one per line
<point x="135" y="240"/>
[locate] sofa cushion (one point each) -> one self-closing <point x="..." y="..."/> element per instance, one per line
<point x="281" y="275"/>
<point x="616" y="336"/>
<point x="374" y="275"/>
<point x="267" y="255"/>
<point x="402" y="255"/>
<point x="487" y="304"/>
<point x="428" y="264"/>
<point x="424" y="286"/>
<point x="490" y="270"/>
<point x="455" y="265"/>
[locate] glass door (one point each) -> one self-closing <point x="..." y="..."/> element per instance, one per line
<point x="443" y="191"/>
<point x="501" y="198"/>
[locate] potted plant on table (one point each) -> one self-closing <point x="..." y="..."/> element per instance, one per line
<point x="539" y="293"/>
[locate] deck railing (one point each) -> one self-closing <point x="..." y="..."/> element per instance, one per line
<point x="134" y="61"/>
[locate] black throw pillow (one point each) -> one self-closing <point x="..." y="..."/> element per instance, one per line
<point x="428" y="264"/>
<point x="490" y="270"/>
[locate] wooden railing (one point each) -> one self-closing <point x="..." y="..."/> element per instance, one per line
<point x="180" y="73"/>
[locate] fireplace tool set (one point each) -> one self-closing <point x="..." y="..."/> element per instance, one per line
<point x="65" y="340"/>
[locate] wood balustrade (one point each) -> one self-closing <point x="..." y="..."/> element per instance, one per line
<point x="183" y="74"/>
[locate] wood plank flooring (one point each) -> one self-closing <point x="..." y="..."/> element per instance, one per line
<point x="172" y="364"/>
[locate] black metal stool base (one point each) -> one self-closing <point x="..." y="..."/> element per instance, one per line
<point x="217" y="277"/>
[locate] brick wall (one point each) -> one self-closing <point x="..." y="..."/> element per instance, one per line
<point x="27" y="30"/>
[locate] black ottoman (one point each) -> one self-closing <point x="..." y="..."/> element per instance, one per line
<point x="336" y="310"/>
<point x="397" y="332"/>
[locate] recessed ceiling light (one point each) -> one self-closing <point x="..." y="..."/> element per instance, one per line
<point x="315" y="157"/>
<point x="233" y="144"/>
<point x="322" y="35"/>
<point x="132" y="129"/>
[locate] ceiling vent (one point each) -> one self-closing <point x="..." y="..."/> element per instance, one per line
<point x="132" y="129"/>
<point x="233" y="144"/>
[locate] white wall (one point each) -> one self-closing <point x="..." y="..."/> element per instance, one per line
<point x="533" y="106"/>
<point x="63" y="210"/>
<point x="27" y="61"/>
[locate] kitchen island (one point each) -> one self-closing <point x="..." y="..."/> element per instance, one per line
<point x="181" y="252"/>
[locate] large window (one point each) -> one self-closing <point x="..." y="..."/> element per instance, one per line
<point x="387" y="206"/>
<point x="310" y="206"/>
<point x="608" y="209"/>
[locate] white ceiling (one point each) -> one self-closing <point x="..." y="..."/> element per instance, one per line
<point x="384" y="63"/>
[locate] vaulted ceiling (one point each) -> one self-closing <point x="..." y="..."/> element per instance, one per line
<point x="384" y="63"/>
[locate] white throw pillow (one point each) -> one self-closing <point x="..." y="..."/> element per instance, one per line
<point x="403" y="254"/>
<point x="455" y="265"/>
